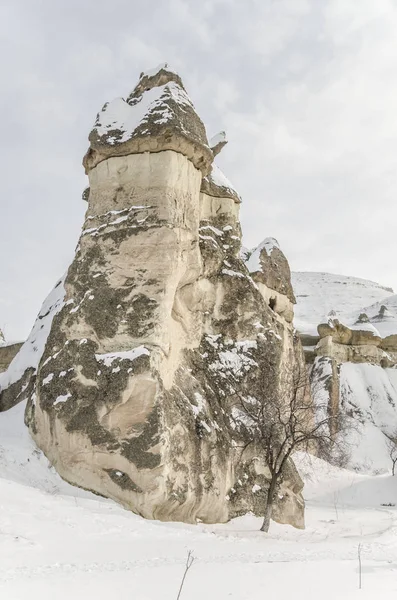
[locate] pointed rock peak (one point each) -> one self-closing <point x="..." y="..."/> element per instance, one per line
<point x="363" y="318"/>
<point x="332" y="318"/>
<point x="384" y="314"/>
<point x="267" y="264"/>
<point x="157" y="115"/>
<point x="163" y="67"/>
<point x="268" y="245"/>
<point x="218" y="142"/>
<point x="157" y="77"/>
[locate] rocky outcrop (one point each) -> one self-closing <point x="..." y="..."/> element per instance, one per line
<point x="7" y="353"/>
<point x="353" y="367"/>
<point x="158" y="331"/>
<point x="359" y="343"/>
<point x="270" y="270"/>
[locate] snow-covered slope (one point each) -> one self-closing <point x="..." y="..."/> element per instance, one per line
<point x="22" y="462"/>
<point x="58" y="546"/>
<point x="60" y="542"/>
<point x="32" y="350"/>
<point x="317" y="294"/>
<point x="369" y="394"/>
<point x="382" y="314"/>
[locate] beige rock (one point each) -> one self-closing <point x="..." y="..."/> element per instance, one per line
<point x="7" y="353"/>
<point x="342" y="334"/>
<point x="162" y="330"/>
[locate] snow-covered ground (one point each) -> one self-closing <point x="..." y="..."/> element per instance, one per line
<point x="58" y="542"/>
<point x="317" y="294"/>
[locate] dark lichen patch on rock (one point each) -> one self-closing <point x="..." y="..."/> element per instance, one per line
<point x="140" y="315"/>
<point x="138" y="449"/>
<point x="123" y="232"/>
<point x="80" y="273"/>
<point x="123" y="480"/>
<point x="85" y="421"/>
<point x="101" y="310"/>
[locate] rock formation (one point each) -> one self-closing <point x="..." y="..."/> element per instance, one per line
<point x="353" y="363"/>
<point x="7" y="352"/>
<point x="158" y="329"/>
<point x="272" y="274"/>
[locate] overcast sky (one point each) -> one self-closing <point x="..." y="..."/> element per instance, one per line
<point x="306" y="90"/>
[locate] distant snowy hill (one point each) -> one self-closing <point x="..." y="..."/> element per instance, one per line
<point x="319" y="293"/>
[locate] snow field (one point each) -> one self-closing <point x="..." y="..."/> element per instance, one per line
<point x="59" y="542"/>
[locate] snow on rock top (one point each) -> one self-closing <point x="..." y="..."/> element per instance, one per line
<point x="130" y="355"/>
<point x="218" y="142"/>
<point x="217" y="184"/>
<point x="32" y="350"/>
<point x="219" y="138"/>
<point x="157" y="115"/>
<point x="156" y="70"/>
<point x="221" y="180"/>
<point x="254" y="263"/>
<point x="365" y="327"/>
<point x="119" y="119"/>
<point x="318" y="294"/>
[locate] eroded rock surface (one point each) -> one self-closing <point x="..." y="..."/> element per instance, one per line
<point x="270" y="270"/>
<point x="160" y="330"/>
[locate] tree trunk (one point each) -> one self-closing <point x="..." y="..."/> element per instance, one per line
<point x="394" y="467"/>
<point x="269" y="504"/>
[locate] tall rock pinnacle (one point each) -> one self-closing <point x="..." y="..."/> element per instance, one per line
<point x="161" y="330"/>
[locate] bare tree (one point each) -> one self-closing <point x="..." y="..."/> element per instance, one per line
<point x="188" y="564"/>
<point x="392" y="449"/>
<point x="284" y="421"/>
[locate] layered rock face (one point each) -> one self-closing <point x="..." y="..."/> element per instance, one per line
<point x="353" y="364"/>
<point x="158" y="329"/>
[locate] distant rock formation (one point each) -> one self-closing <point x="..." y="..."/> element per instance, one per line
<point x="353" y="360"/>
<point x="144" y="349"/>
